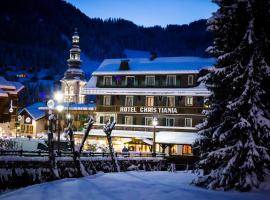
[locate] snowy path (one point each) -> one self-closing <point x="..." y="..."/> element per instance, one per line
<point x="128" y="186"/>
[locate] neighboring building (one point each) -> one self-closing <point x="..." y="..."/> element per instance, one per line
<point x="32" y="120"/>
<point x="134" y="91"/>
<point x="9" y="103"/>
<point x="74" y="78"/>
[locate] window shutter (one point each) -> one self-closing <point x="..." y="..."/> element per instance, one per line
<point x="123" y="119"/>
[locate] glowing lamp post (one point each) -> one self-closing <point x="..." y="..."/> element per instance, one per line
<point x="58" y="96"/>
<point x="155" y="123"/>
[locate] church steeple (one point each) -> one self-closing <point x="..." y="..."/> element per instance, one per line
<point x="74" y="60"/>
<point x="74" y="78"/>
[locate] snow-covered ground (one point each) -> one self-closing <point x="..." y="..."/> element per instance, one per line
<point x="129" y="186"/>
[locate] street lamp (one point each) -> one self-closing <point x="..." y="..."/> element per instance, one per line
<point x="58" y="96"/>
<point x="155" y="123"/>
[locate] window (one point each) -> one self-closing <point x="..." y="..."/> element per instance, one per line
<point x="187" y="149"/>
<point x="104" y="119"/>
<point x="190" y="79"/>
<point x="188" y="122"/>
<point x="129" y="101"/>
<point x="189" y="101"/>
<point x="150" y="80"/>
<point x="81" y="99"/>
<point x="171" y="80"/>
<point x="128" y="120"/>
<point x="170" y="101"/>
<point x="107" y="101"/>
<point x="149" y="101"/>
<point x="169" y="121"/>
<point x="71" y="89"/>
<point x="149" y="121"/>
<point x="66" y="90"/>
<point x="107" y="80"/>
<point x="130" y="81"/>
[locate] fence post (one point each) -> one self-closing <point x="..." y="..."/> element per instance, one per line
<point x="21" y="153"/>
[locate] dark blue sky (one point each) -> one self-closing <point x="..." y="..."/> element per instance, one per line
<point x="148" y="12"/>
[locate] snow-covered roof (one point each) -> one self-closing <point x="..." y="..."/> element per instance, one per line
<point x="169" y="137"/>
<point x="164" y="137"/>
<point x="160" y="65"/>
<point x="92" y="82"/>
<point x="12" y="87"/>
<point x="17" y="85"/>
<point x="34" y="111"/>
<point x="200" y="90"/>
<point x="3" y="93"/>
<point x="4" y="84"/>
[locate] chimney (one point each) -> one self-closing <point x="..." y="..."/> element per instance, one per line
<point x="153" y="56"/>
<point x="124" y="65"/>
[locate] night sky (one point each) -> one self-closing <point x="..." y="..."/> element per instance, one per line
<point x="148" y="12"/>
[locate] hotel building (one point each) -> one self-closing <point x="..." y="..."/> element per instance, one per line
<point x="134" y="91"/>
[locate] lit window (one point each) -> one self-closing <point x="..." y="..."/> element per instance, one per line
<point x="149" y="101"/>
<point x="81" y="99"/>
<point x="66" y="90"/>
<point x="187" y="149"/>
<point x="71" y="90"/>
<point x="149" y="121"/>
<point x="190" y="79"/>
<point x="170" y="101"/>
<point x="188" y="122"/>
<point x="107" y="80"/>
<point x="171" y="80"/>
<point x="107" y="100"/>
<point x="150" y="80"/>
<point x="128" y="120"/>
<point x="129" y="101"/>
<point x="189" y="101"/>
<point x="169" y="121"/>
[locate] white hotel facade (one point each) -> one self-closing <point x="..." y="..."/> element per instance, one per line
<point x="134" y="91"/>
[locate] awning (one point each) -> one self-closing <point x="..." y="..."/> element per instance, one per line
<point x="166" y="137"/>
<point x="163" y="137"/>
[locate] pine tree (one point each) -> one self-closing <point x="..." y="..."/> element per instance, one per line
<point x="235" y="136"/>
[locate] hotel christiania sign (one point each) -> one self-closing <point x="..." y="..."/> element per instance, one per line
<point x="143" y="109"/>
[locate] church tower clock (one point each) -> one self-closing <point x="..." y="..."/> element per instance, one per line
<point x="74" y="78"/>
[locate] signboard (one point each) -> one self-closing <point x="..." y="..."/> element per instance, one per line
<point x="143" y="109"/>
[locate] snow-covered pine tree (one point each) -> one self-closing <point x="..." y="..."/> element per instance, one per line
<point x="235" y="135"/>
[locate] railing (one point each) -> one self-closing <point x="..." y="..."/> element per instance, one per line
<point x="83" y="154"/>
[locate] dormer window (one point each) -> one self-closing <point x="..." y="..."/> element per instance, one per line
<point x="107" y="80"/>
<point x="171" y="80"/>
<point x="130" y="81"/>
<point x="150" y="80"/>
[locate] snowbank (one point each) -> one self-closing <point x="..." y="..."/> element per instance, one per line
<point x="129" y="185"/>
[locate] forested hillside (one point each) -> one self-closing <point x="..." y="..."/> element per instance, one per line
<point x="35" y="35"/>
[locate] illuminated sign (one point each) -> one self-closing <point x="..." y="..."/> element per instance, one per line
<point x="143" y="109"/>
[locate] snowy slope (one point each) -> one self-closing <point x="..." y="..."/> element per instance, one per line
<point x="128" y="186"/>
<point x="130" y="53"/>
<point x="88" y="65"/>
